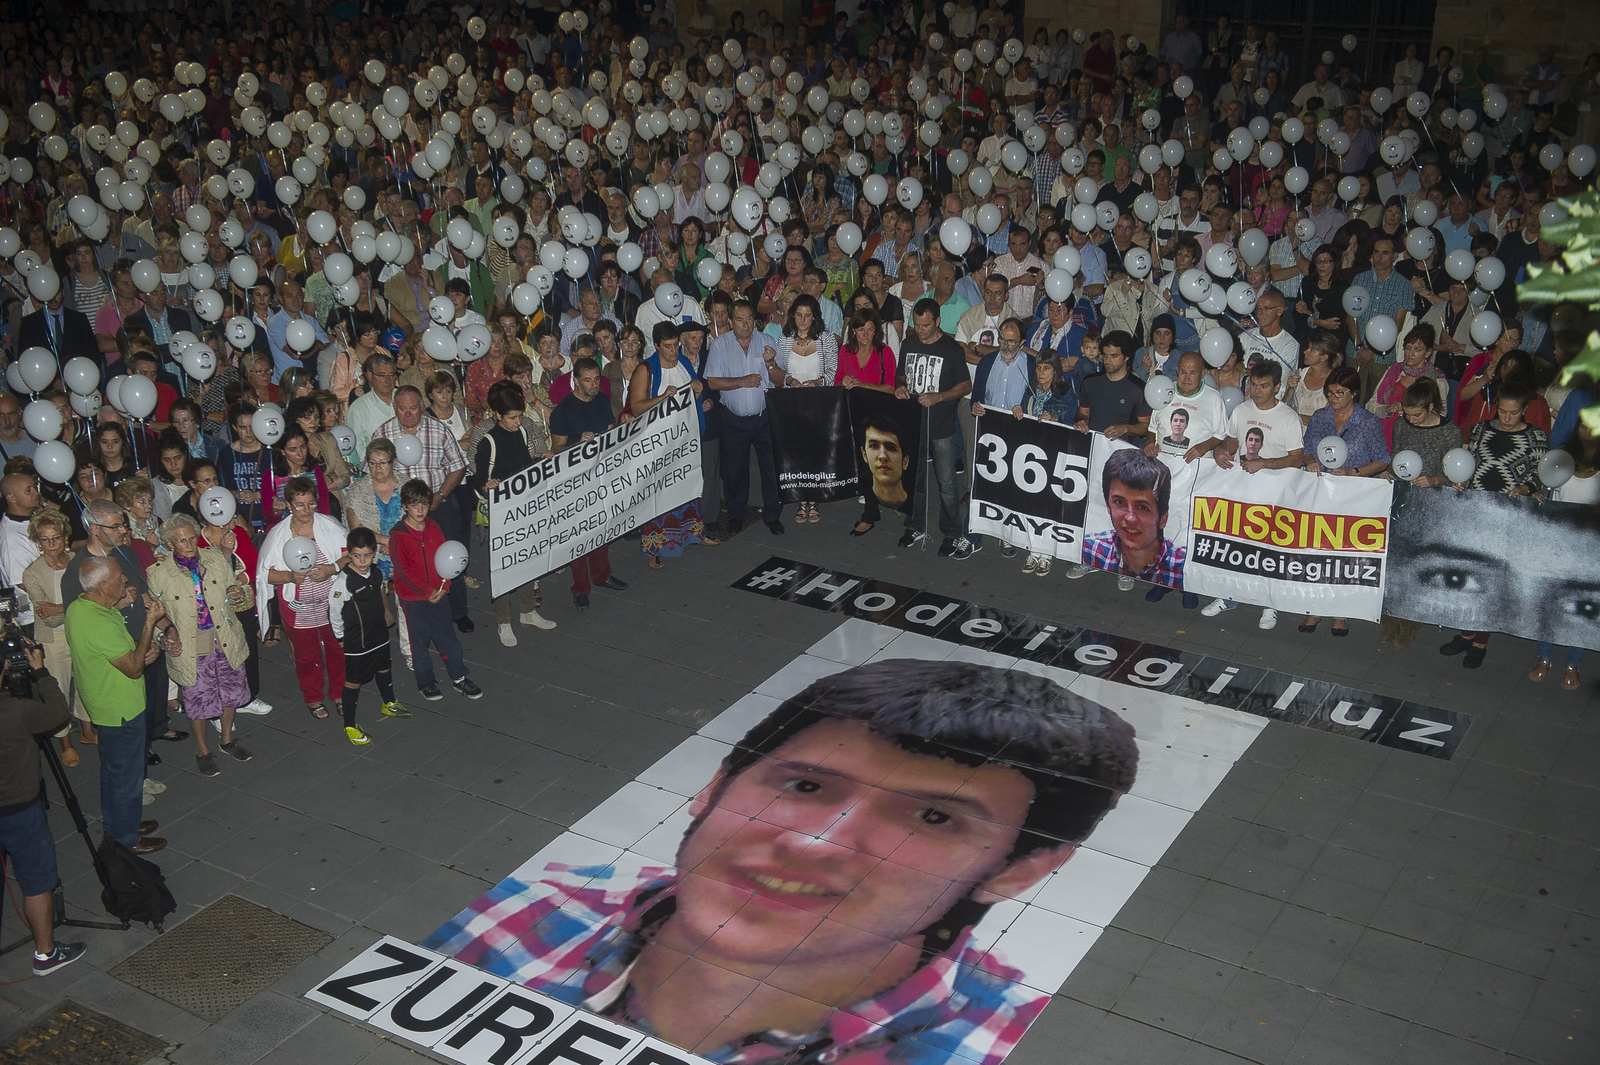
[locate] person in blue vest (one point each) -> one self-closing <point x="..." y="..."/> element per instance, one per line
<point x="658" y="378"/>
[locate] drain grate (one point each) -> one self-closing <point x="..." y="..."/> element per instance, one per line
<point x="73" y="1035"/>
<point x="221" y="957"/>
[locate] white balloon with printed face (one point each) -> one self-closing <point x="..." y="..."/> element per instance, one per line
<point x="1158" y="392"/>
<point x="217" y="506"/>
<point x="450" y="559"/>
<point x="1407" y="465"/>
<point x="300" y="554"/>
<point x="267" y="425"/>
<point x="1332" y="452"/>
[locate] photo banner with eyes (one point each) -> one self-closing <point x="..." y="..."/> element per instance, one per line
<point x="1489" y="562"/>
<point x="827" y="443"/>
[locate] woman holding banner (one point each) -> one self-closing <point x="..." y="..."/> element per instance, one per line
<point x="659" y="377"/>
<point x="1366" y="450"/>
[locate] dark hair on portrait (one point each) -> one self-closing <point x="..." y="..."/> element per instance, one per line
<point x="884" y="424"/>
<point x="1079" y="755"/>
<point x="1140" y="472"/>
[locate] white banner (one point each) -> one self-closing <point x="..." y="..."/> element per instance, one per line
<point x="564" y="506"/>
<point x="1290" y="540"/>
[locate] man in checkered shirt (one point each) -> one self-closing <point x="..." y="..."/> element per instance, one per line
<point x="442" y="466"/>
<point x="845" y="850"/>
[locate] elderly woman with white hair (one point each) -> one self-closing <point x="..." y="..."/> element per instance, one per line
<point x="201" y="590"/>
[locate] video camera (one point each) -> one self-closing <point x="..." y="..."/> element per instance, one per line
<point x="14" y="647"/>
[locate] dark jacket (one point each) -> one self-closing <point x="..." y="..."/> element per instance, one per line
<point x="77" y="337"/>
<point x="355" y="611"/>
<point x="20" y="721"/>
<point x="501" y="454"/>
<point x="980" y="379"/>
<point x="178" y="320"/>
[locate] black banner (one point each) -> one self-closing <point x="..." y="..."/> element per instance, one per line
<point x="1030" y="483"/>
<point x="811" y="444"/>
<point x="828" y="442"/>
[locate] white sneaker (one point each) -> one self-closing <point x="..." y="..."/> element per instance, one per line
<point x="153" y="787"/>
<point x="1126" y="584"/>
<point x="1215" y="607"/>
<point x="507" y="637"/>
<point x="537" y="620"/>
<point x="1033" y="560"/>
<point x="1073" y="571"/>
<point x="148" y="799"/>
<point x="256" y="706"/>
<point x="1041" y="568"/>
<point x="1269" y="620"/>
<point x="216" y="724"/>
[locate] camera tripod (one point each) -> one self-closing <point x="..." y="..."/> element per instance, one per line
<point x="69" y="798"/>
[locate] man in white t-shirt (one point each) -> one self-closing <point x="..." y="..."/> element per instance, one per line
<point x="1196" y="420"/>
<point x="1022" y="88"/>
<point x="978" y="331"/>
<point x="1263" y="434"/>
<point x="1270" y="340"/>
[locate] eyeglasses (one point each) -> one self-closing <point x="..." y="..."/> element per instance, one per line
<point x="1339" y="393"/>
<point x="114" y="528"/>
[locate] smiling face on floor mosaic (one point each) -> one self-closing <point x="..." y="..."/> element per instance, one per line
<point x="895" y="847"/>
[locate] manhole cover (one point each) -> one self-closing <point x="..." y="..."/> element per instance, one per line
<point x="73" y="1035"/>
<point x="221" y="957"/>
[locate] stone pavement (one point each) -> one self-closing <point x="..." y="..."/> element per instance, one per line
<point x="1334" y="901"/>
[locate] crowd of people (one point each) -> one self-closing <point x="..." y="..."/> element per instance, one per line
<point x="287" y="295"/>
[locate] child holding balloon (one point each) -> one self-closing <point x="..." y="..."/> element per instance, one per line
<point x="357" y="615"/>
<point x="424" y="565"/>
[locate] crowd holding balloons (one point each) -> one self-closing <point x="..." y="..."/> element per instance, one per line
<point x="315" y="205"/>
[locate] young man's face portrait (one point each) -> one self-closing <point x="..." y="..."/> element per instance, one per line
<point x="885" y="458"/>
<point x="827" y="856"/>
<point x="1252" y="443"/>
<point x="1135" y="516"/>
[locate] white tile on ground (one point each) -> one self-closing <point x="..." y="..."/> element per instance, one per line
<point x="1138" y="829"/>
<point x="916" y="645"/>
<point x="854" y="642"/>
<point x="1179" y="778"/>
<point x="1063" y="677"/>
<point x="1045" y="947"/>
<point x="567" y="849"/>
<point x="660" y="845"/>
<point x="731" y="725"/>
<point x="363" y="998"/>
<point x="1092" y="886"/>
<point x="629" y="814"/>
<point x="688" y="767"/>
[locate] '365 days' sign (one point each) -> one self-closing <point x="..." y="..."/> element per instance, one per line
<point x="1317" y="704"/>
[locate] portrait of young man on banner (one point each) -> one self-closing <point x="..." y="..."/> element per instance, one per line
<point x="822" y="900"/>
<point x="810" y="429"/>
<point x="1484" y="561"/>
<point x="1133" y="493"/>
<point x="886" y="447"/>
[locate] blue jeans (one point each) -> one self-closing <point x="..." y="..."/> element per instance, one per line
<point x="946" y="452"/>
<point x="431" y="623"/>
<point x="1548" y="651"/>
<point x="123" y="749"/>
<point x="739" y="435"/>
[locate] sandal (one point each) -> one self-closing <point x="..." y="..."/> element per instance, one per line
<point x="274" y="636"/>
<point x="656" y="563"/>
<point x="709" y="541"/>
<point x="1571" y="681"/>
<point x="320" y="711"/>
<point x="812" y="513"/>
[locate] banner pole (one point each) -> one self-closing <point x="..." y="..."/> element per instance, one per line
<point x="927" y="481"/>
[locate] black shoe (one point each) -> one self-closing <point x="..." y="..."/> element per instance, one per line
<point x="1007" y="550"/>
<point x="466" y="687"/>
<point x="152" y="759"/>
<point x="174" y="735"/>
<point x="614" y="583"/>
<point x="1457" y="644"/>
<point x="775" y="528"/>
<point x="581" y="602"/>
<point x="464" y="624"/>
<point x="910" y="538"/>
<point x="430" y="692"/>
<point x="947" y="547"/>
<point x="63" y="955"/>
<point x="1474" y="657"/>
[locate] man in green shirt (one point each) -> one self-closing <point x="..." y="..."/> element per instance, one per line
<point x="108" y="665"/>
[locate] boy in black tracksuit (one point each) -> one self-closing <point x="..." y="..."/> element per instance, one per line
<point x="355" y="608"/>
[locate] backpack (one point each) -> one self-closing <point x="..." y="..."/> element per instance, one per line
<point x="134" y="889"/>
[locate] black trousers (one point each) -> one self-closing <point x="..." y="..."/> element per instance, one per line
<point x="739" y="435"/>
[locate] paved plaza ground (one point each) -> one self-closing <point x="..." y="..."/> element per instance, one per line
<point x="1334" y="901"/>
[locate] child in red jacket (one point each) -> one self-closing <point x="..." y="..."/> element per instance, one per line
<point x="412" y="545"/>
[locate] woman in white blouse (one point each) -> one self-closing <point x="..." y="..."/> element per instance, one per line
<point x="809" y="358"/>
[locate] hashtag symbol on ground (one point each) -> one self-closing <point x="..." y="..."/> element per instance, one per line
<point x="772" y="578"/>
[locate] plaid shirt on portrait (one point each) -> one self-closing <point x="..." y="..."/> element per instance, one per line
<point x="575" y="933"/>
<point x="441" y="454"/>
<point x="1100" y="551"/>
